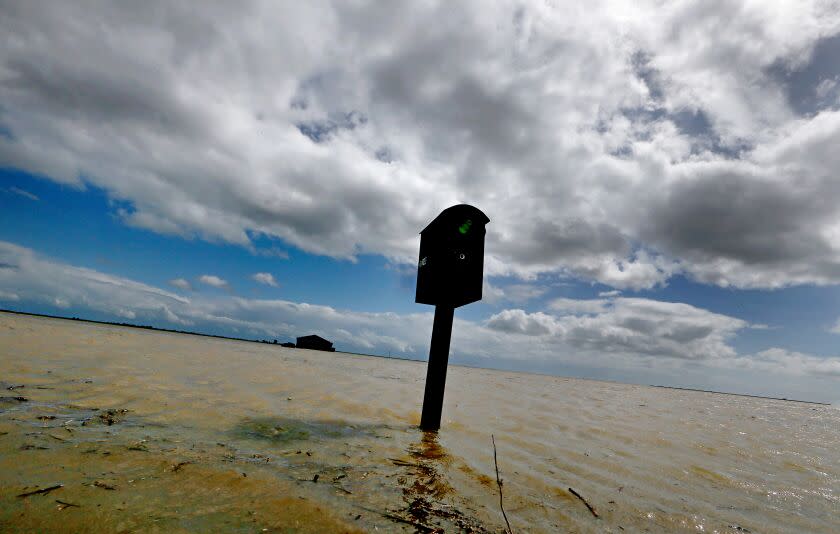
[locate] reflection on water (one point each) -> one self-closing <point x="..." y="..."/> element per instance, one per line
<point x="156" y="432"/>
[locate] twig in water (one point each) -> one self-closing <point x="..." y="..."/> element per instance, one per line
<point x="499" y="482"/>
<point x="403" y="463"/>
<point x="62" y="505"/>
<point x="576" y="494"/>
<point x="415" y="524"/>
<point x="41" y="491"/>
<point x="177" y="467"/>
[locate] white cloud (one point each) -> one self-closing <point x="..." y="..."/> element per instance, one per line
<point x="265" y="278"/>
<point x="8" y="295"/>
<point x="614" y="144"/>
<point x="212" y="280"/>
<point x="650" y="327"/>
<point x="35" y="278"/>
<point x="513" y="293"/>
<point x="787" y="362"/>
<point x="521" y="322"/>
<point x="606" y="294"/>
<point x="181" y="283"/>
<point x="127" y="314"/>
<point x="826" y="87"/>
<point x="577" y="306"/>
<point x="23" y="193"/>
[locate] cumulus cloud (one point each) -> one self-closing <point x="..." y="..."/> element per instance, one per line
<point x="212" y="280"/>
<point x="649" y="327"/>
<point x="616" y="145"/>
<point x="521" y="322"/>
<point x="265" y="278"/>
<point x="181" y="283"/>
<point x="640" y="327"/>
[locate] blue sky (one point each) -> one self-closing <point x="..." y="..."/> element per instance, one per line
<point x="663" y="205"/>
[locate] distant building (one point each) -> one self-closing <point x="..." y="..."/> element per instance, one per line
<point x="314" y="343"/>
<point x="288" y="344"/>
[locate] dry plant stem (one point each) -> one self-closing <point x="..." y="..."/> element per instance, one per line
<point x="591" y="509"/>
<point x="499" y="482"/>
<point x="62" y="505"/>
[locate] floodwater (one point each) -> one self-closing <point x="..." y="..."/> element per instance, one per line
<point x="161" y="432"/>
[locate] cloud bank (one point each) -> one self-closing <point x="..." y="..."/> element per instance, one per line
<point x="616" y="144"/>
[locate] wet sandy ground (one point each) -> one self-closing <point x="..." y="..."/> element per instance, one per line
<point x="156" y="432"/>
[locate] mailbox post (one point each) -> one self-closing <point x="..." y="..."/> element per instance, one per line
<point x="450" y="274"/>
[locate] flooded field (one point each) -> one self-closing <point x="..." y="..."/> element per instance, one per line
<point x="111" y="429"/>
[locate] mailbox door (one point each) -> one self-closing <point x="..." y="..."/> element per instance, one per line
<point x="467" y="256"/>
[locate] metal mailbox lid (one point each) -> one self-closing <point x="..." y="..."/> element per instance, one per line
<point x="459" y="216"/>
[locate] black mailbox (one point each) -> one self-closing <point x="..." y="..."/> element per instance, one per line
<point x="450" y="270"/>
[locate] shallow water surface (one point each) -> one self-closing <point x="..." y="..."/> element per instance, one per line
<point x="160" y="432"/>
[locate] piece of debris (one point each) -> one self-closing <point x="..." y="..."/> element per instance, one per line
<point x="62" y="505"/>
<point x="576" y="494"/>
<point x="59" y="438"/>
<point x="103" y="485"/>
<point x="13" y="399"/>
<point x="403" y="463"/>
<point x="315" y="478"/>
<point x="46" y="417"/>
<point x="42" y="491"/>
<point x="29" y="447"/>
<point x="177" y="467"/>
<point x="109" y="417"/>
<point x="12" y="388"/>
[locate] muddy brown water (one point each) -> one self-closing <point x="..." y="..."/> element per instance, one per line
<point x="158" y="432"/>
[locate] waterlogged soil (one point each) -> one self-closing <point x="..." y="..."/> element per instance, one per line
<point x="88" y="451"/>
<point x="112" y="429"/>
<point x="111" y="469"/>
